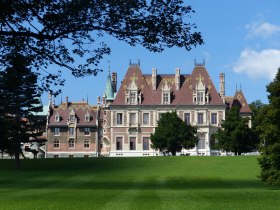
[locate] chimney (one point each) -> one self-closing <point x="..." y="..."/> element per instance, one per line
<point x="114" y="81"/>
<point x="154" y="78"/>
<point x="177" y="79"/>
<point x="66" y="101"/>
<point x="98" y="101"/>
<point x="222" y="86"/>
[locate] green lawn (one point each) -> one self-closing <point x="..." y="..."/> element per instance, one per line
<point x="136" y="183"/>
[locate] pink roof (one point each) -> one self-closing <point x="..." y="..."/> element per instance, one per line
<point x="183" y="96"/>
<point x="80" y="109"/>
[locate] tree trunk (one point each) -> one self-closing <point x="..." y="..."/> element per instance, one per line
<point x="173" y="153"/>
<point x="18" y="166"/>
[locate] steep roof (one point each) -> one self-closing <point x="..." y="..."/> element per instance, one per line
<point x="183" y="96"/>
<point x="240" y="100"/>
<point x="81" y="109"/>
<point x="109" y="92"/>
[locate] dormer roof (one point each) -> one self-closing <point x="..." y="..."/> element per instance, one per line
<point x="183" y="96"/>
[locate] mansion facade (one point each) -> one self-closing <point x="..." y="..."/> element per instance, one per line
<point x="122" y="121"/>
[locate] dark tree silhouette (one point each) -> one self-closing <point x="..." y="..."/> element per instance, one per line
<point x="61" y="31"/>
<point x="173" y="134"/>
<point x="19" y="101"/>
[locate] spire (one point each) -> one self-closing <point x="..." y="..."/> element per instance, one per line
<point x="109" y="88"/>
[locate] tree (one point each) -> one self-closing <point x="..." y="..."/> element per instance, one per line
<point x="173" y="134"/>
<point x="61" y="31"/>
<point x="20" y="100"/>
<point x="234" y="134"/>
<point x="270" y="135"/>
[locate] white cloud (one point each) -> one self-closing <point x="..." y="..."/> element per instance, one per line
<point x="262" y="64"/>
<point x="264" y="30"/>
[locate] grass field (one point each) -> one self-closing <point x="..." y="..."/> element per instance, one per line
<point x="136" y="183"/>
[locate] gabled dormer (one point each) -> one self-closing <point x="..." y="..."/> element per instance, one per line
<point x="87" y="117"/>
<point x="166" y="94"/>
<point x="200" y="94"/>
<point x="133" y="96"/>
<point x="57" y="117"/>
<point x="72" y="116"/>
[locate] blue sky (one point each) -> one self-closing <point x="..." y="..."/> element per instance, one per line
<point x="242" y="39"/>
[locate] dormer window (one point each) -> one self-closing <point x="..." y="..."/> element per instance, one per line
<point x="57" y="117"/>
<point x="87" y="117"/>
<point x="133" y="95"/>
<point x="200" y="95"/>
<point x="72" y="116"/>
<point x="165" y="96"/>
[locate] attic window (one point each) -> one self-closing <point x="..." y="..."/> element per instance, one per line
<point x="57" y="117"/>
<point x="165" y="94"/>
<point x="72" y="118"/>
<point x="87" y="117"/>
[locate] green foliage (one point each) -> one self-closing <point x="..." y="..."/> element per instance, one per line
<point x="270" y="135"/>
<point x="136" y="183"/>
<point x="60" y="32"/>
<point x="234" y="134"/>
<point x="20" y="100"/>
<point x="173" y="134"/>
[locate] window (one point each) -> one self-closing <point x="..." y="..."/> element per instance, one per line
<point x="132" y="98"/>
<point x="146" y="119"/>
<point x="56" y="156"/>
<point x="86" y="143"/>
<point x="71" y="131"/>
<point x="214" y="118"/>
<point x="187" y="118"/>
<point x="132" y="118"/>
<point x="146" y="143"/>
<point x="87" y="131"/>
<point x="132" y="143"/>
<point x="200" y="97"/>
<point x="71" y="143"/>
<point x="119" y="118"/>
<point x="87" y="117"/>
<point x="86" y="156"/>
<point x="71" y="156"/>
<point x="119" y="143"/>
<point x="57" y="118"/>
<point x="72" y="118"/>
<point x="56" y="131"/>
<point x="201" y="141"/>
<point x="200" y="118"/>
<point x="165" y="98"/>
<point x="56" y="143"/>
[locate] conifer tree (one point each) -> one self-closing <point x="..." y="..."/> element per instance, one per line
<point x="19" y="101"/>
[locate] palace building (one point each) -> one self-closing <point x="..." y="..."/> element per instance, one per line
<point x="123" y="119"/>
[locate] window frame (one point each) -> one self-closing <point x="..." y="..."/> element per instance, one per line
<point x="119" y="140"/>
<point x="146" y="143"/>
<point x="130" y="118"/>
<point x="56" y="143"/>
<point x="56" y="131"/>
<point x="187" y="119"/>
<point x="71" y="143"/>
<point x="119" y="120"/>
<point x="132" y="143"/>
<point x="200" y="120"/>
<point x="86" y="143"/>
<point x="71" y="131"/>
<point x="87" y="131"/>
<point x="147" y="121"/>
<point x="214" y="119"/>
